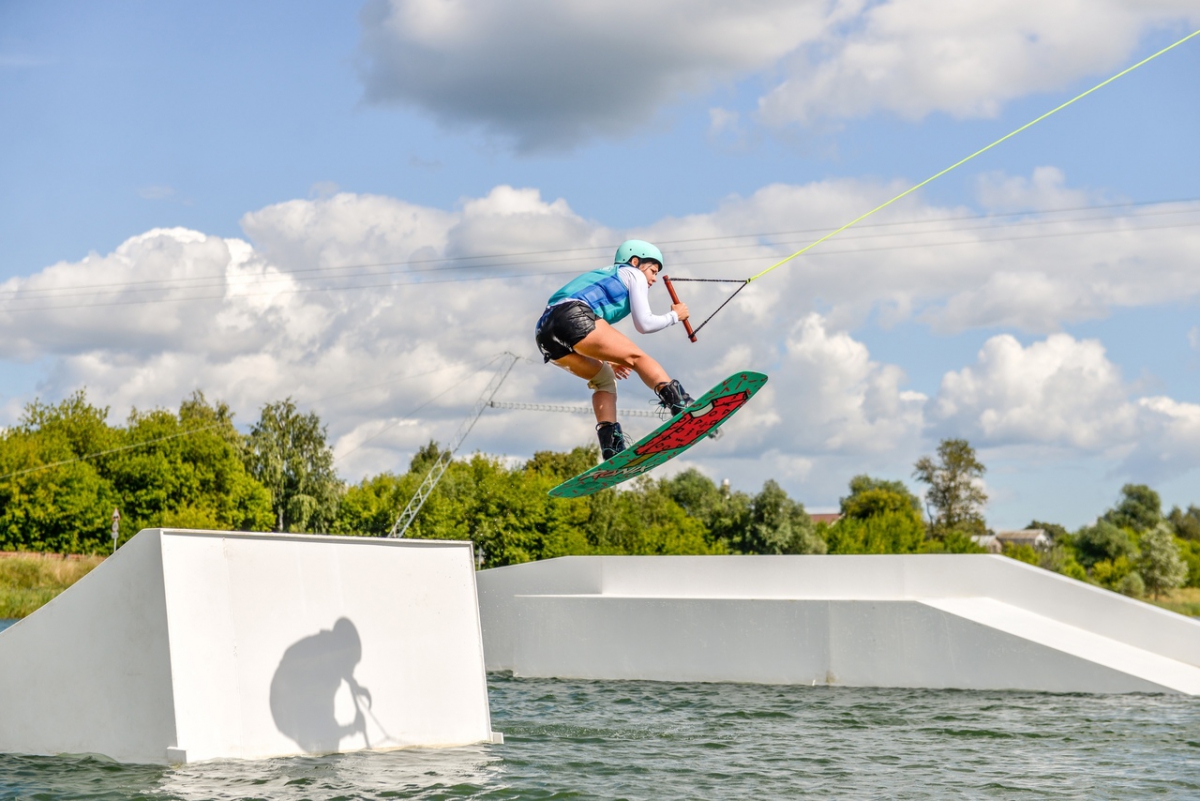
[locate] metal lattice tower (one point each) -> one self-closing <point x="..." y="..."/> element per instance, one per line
<point x="443" y="461"/>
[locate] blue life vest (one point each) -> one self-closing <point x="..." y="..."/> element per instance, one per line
<point x="600" y="289"/>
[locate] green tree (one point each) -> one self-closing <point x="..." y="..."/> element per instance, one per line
<point x="1132" y="585"/>
<point x="1114" y="574"/>
<point x="1160" y="564"/>
<point x="66" y="469"/>
<point x="288" y="454"/>
<point x="1140" y="509"/>
<point x="954" y="489"/>
<point x="952" y="541"/>
<point x="74" y="426"/>
<point x="1186" y="524"/>
<point x="370" y="507"/>
<point x="869" y="496"/>
<point x="644" y="520"/>
<point x="878" y="516"/>
<point x="561" y="466"/>
<point x="888" y="531"/>
<point x="872" y="502"/>
<point x="1061" y="559"/>
<point x="49" y="500"/>
<point x="186" y="471"/>
<point x="725" y="514"/>
<point x="1103" y="542"/>
<point x="1022" y="553"/>
<point x="510" y="517"/>
<point x="778" y="525"/>
<point x="1189" y="552"/>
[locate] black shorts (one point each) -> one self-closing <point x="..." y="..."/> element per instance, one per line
<point x="561" y="328"/>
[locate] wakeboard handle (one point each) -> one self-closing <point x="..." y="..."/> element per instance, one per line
<point x="687" y="325"/>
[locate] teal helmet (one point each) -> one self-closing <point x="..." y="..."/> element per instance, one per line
<point x="636" y="247"/>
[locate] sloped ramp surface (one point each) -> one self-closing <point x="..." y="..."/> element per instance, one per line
<point x="1129" y="668"/>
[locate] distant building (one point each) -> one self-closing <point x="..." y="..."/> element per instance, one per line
<point x="829" y="518"/>
<point x="1035" y="538"/>
<point x="988" y="542"/>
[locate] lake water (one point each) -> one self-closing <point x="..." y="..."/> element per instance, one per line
<point x="647" y="740"/>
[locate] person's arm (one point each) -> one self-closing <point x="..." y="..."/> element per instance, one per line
<point x="644" y="320"/>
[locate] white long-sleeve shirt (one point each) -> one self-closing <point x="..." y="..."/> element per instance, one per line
<point x="644" y="320"/>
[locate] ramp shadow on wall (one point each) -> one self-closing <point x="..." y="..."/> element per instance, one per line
<point x="306" y="684"/>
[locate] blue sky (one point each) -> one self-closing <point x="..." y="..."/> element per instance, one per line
<point x="125" y="118"/>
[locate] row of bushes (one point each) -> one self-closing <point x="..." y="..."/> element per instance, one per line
<point x="64" y="468"/>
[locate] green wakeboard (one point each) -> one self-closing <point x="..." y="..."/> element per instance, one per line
<point x="670" y="439"/>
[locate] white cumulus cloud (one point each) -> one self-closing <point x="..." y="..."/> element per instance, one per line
<point x="914" y="57"/>
<point x="554" y="74"/>
<point x="838" y="399"/>
<point x="346" y="303"/>
<point x="1060" y="391"/>
<point x="946" y="266"/>
<point x="386" y="317"/>
<point x="550" y="74"/>
<point x="1063" y="392"/>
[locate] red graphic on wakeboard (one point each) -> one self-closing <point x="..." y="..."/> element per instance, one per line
<point x="687" y="430"/>
<point x="669" y="440"/>
<point x="694" y="424"/>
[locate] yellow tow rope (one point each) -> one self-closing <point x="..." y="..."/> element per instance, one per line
<point x="959" y="163"/>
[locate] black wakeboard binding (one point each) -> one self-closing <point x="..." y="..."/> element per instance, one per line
<point x="673" y="397"/>
<point x="612" y="439"/>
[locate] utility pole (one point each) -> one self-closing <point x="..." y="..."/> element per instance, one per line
<point x="116" y="529"/>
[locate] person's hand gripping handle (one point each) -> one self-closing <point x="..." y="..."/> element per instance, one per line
<point x="687" y="326"/>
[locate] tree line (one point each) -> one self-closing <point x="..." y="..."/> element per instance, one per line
<point x="65" y="467"/>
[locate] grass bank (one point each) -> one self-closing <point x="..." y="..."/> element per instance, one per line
<point x="29" y="581"/>
<point x="1185" y="601"/>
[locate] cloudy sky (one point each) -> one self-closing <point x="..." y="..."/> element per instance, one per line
<point x="363" y="207"/>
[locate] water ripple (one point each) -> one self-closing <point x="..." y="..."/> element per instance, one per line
<point x="650" y="740"/>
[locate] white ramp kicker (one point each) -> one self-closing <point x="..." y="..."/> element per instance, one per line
<point x="193" y="645"/>
<point x="936" y="621"/>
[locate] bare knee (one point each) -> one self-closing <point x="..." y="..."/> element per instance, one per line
<point x="579" y="365"/>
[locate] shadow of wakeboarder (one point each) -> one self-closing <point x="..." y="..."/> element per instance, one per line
<point x="306" y="683"/>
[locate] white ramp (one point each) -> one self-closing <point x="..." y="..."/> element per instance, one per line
<point x="944" y="621"/>
<point x="192" y="645"/>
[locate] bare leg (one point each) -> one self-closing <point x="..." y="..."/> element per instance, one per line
<point x="608" y="344"/>
<point x="604" y="404"/>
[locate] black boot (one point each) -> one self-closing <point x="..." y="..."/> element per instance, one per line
<point x="612" y="440"/>
<point x="673" y="397"/>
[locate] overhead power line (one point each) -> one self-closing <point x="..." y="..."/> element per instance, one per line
<point x="222" y="280"/>
<point x="110" y="451"/>
<point x="391" y="284"/>
<point x="457" y="262"/>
